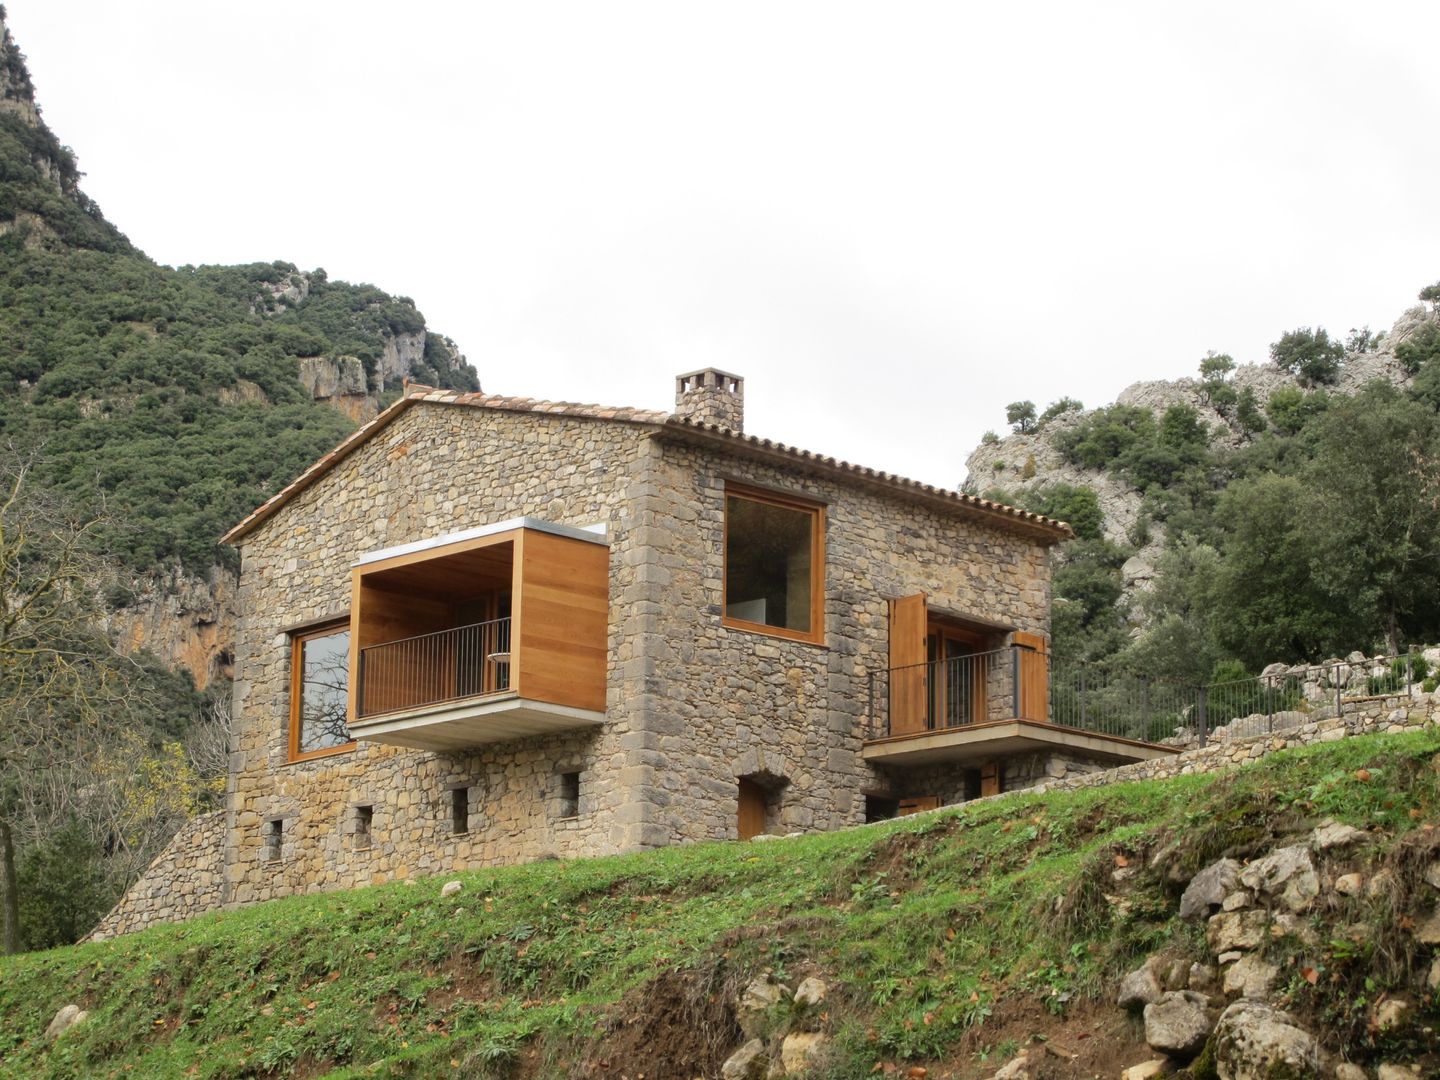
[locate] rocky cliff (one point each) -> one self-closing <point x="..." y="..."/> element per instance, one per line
<point x="1028" y="462"/>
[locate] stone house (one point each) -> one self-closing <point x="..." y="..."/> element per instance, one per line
<point x="487" y="629"/>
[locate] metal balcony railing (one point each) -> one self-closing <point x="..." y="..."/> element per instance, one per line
<point x="1000" y="684"/>
<point x="429" y="669"/>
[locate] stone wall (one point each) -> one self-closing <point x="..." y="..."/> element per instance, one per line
<point x="185" y="880"/>
<point x="692" y="705"/>
<point x="1390" y="715"/>
<point x="433" y="471"/>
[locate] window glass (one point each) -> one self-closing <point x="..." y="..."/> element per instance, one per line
<point x="769" y="551"/>
<point x="324" y="684"/>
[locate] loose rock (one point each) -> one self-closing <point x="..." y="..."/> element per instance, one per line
<point x="1349" y="884"/>
<point x="65" y="1019"/>
<point x="756" y="1001"/>
<point x="1178" y="1023"/>
<point x="1145" y="1070"/>
<point x="1397" y="1072"/>
<point x="1139" y="989"/>
<point x="1287" y="872"/>
<point x="1332" y="834"/>
<point x="1428" y="932"/>
<point x="450" y="888"/>
<point x="1202" y="978"/>
<point x="1255" y="1041"/>
<point x="1236" y="931"/>
<point x="1347" y="1071"/>
<point x="1020" y="1067"/>
<point x="1250" y="977"/>
<point x="1392" y="1013"/>
<point x="1209" y="888"/>
<point x="800" y="1050"/>
<point x="747" y="1063"/>
<point x="811" y="992"/>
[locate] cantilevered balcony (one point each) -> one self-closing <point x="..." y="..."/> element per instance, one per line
<point x="984" y="705"/>
<point x="492" y="634"/>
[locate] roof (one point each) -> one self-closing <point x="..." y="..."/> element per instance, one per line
<point x="666" y="425"/>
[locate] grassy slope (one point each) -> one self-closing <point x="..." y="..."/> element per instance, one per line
<point x="923" y="926"/>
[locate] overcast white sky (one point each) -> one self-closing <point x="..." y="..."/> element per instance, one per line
<point x="891" y="218"/>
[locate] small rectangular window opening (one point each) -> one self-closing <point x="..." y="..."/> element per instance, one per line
<point x="364" y="825"/>
<point x="459" y="810"/>
<point x="274" y="832"/>
<point x="569" y="794"/>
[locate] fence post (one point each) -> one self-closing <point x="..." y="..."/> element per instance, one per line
<point x="1339" y="707"/>
<point x="1200" y="714"/>
<point x="1409" y="668"/>
<point x="1082" y="696"/>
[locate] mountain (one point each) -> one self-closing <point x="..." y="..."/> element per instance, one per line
<point x="179" y="398"/>
<point x="1257" y="513"/>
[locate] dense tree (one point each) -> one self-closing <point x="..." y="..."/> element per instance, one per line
<point x="1309" y="355"/>
<point x="1020" y="415"/>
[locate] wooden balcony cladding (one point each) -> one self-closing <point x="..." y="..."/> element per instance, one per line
<point x="419" y="670"/>
<point x="562" y="600"/>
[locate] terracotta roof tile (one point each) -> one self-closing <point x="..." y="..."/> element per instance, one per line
<point x="677" y="426"/>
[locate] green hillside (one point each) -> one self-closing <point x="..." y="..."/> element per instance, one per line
<point x="947" y="941"/>
<point x="172" y="394"/>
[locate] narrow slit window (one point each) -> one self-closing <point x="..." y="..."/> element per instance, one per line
<point x="459" y="810"/>
<point x="364" y="825"/>
<point x="774" y="564"/>
<point x="274" y="835"/>
<point x="569" y="795"/>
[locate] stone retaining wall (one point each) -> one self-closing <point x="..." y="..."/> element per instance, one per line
<point x="1389" y="715"/>
<point x="185" y="880"/>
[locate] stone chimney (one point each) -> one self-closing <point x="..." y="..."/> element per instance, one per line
<point x="711" y="396"/>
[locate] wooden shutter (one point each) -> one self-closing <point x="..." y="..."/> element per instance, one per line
<point x="1034" y="703"/>
<point x="908" y="621"/>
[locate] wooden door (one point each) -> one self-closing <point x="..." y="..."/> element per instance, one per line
<point x="1034" y="700"/>
<point x="917" y="804"/>
<point x="907" y="665"/>
<point x="990" y="779"/>
<point x="957" y="677"/>
<point x="752" y="809"/>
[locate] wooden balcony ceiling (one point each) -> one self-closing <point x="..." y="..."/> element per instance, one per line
<point x="459" y="574"/>
<point x="1003" y="738"/>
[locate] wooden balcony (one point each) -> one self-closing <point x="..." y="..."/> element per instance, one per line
<point x="493" y="634"/>
<point x="984" y="705"/>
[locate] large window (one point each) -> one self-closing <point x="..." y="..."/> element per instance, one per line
<point x="319" y="692"/>
<point x="774" y="564"/>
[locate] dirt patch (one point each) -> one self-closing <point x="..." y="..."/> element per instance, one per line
<point x="676" y="1025"/>
<point x="1091" y="1039"/>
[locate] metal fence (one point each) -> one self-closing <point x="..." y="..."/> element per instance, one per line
<point x="1003" y="684"/>
<point x="428" y="669"/>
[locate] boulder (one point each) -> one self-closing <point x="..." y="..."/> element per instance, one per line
<point x="1287" y="873"/>
<point x="748" y="1063"/>
<point x="1209" y="887"/>
<point x="1146" y="1070"/>
<point x="1250" y="977"/>
<point x="1255" y="1041"/>
<point x="1349" y="884"/>
<point x="1236" y="931"/>
<point x="1139" y="989"/>
<point x="450" y="888"/>
<point x="1333" y="834"/>
<point x="801" y="1050"/>
<point x="65" y="1019"/>
<point x="811" y="992"/>
<point x="1178" y="1024"/>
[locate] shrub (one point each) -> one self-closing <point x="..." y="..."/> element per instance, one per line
<point x="1419" y="349"/>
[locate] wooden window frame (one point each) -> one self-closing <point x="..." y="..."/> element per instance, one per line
<point x="816" y="634"/>
<point x="297" y="677"/>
